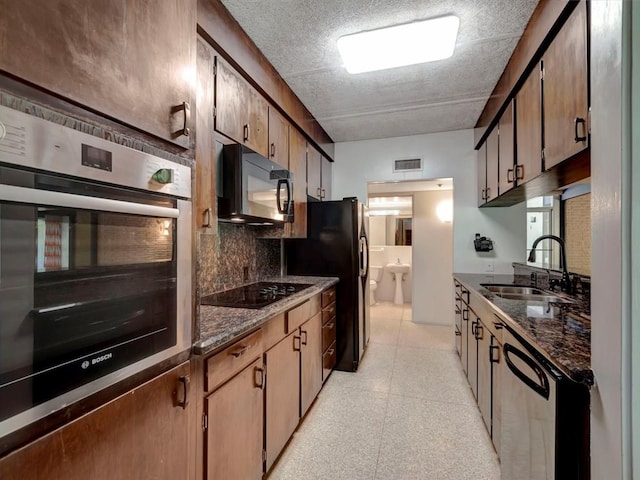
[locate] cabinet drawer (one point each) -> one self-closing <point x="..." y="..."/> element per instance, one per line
<point x="328" y="361"/>
<point x="297" y="316"/>
<point x="328" y="334"/>
<point x="328" y="296"/>
<point x="328" y="312"/>
<point x="231" y="360"/>
<point x="273" y="331"/>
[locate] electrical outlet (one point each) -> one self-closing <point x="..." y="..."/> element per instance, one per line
<point x="488" y="266"/>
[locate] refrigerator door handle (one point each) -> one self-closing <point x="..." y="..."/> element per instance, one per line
<point x="362" y="256"/>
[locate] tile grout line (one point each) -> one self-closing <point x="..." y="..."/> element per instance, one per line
<point x="386" y="407"/>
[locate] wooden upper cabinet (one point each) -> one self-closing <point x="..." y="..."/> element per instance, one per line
<point x="204" y="200"/>
<point x="231" y="97"/>
<point x="506" y="154"/>
<point x="482" y="173"/>
<point x="256" y="128"/>
<point x="492" y="165"/>
<point x="144" y="433"/>
<point x="314" y="172"/>
<point x="326" y="179"/>
<point x="242" y="114"/>
<point x="278" y="139"/>
<point x="128" y="60"/>
<point x="565" y="80"/>
<point x="235" y="426"/>
<point x="529" y="128"/>
<point x="298" y="167"/>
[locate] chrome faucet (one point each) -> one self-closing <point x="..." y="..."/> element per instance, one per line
<point x="565" y="281"/>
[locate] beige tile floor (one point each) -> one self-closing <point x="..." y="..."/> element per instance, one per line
<point x="407" y="413"/>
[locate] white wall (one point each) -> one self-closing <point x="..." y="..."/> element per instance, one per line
<point x="448" y="154"/>
<point x="610" y="398"/>
<point x="432" y="260"/>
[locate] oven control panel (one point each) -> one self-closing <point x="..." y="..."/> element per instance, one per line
<point x="33" y="142"/>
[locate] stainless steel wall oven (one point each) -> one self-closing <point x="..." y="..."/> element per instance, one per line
<point x="95" y="261"/>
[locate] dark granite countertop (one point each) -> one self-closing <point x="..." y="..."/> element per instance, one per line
<point x="561" y="334"/>
<point x="221" y="325"/>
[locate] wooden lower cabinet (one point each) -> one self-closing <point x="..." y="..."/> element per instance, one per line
<point x="143" y="434"/>
<point x="483" y="337"/>
<point x="282" y="396"/>
<point x="310" y="362"/>
<point x="235" y="425"/>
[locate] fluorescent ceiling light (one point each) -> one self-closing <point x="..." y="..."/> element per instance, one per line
<point x="400" y="45"/>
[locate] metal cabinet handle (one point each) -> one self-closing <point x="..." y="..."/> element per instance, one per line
<point x="576" y="122"/>
<point x="488" y="194"/>
<point x="246" y="132"/>
<point x="322" y="194"/>
<point x="302" y="332"/>
<point x="273" y="149"/>
<point x="186" y="118"/>
<point x="474" y="324"/>
<point x="296" y="348"/>
<point x="465" y="315"/>
<point x="184" y="381"/>
<point x="319" y="193"/>
<point x="207" y="218"/>
<point x="519" y="172"/>
<point x="479" y="333"/>
<point x="330" y="352"/>
<point x="259" y="375"/>
<point x="494" y="354"/>
<point x="482" y="195"/>
<point x="498" y="325"/>
<point x="458" y="332"/>
<point x="510" y="177"/>
<point x="328" y="325"/>
<point x="241" y="351"/>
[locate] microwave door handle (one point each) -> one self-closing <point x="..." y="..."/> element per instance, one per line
<point x="11" y="193"/>
<point x="278" y="200"/>
<point x="541" y="388"/>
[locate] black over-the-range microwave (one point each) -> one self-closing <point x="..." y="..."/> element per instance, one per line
<point x="253" y="189"/>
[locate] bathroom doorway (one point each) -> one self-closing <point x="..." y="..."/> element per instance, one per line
<point x="410" y="247"/>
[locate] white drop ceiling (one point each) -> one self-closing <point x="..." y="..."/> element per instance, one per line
<point x="299" y="39"/>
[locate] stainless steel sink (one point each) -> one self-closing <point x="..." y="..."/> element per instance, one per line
<point x="512" y="289"/>
<point x="515" y="292"/>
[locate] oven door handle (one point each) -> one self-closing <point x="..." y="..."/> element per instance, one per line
<point x="541" y="388"/>
<point x="11" y="193"/>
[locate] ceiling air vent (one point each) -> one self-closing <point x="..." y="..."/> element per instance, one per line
<point x="407" y="165"/>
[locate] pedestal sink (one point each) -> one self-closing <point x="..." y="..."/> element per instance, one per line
<point x="398" y="270"/>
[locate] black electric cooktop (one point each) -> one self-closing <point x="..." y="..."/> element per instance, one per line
<point x="255" y="295"/>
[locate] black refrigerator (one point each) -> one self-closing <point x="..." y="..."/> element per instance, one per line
<point x="337" y="245"/>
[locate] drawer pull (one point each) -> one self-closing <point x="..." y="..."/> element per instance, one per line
<point x="184" y="381"/>
<point x="304" y="341"/>
<point x="458" y="333"/>
<point x="494" y="358"/>
<point x="328" y="325"/>
<point x="259" y="377"/>
<point x="330" y="352"/>
<point x="299" y="346"/>
<point x="498" y="325"/>
<point x="241" y="351"/>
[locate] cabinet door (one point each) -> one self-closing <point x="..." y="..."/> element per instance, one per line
<point x="466" y="329"/>
<point x="298" y="167"/>
<point x="482" y="173"/>
<point x="565" y="90"/>
<point x="326" y="179"/>
<point x="257" y="133"/>
<point x="496" y="403"/>
<point x="205" y="192"/>
<point x="311" y="362"/>
<point x="231" y="97"/>
<point x="142" y="434"/>
<point x="282" y="408"/>
<point x="529" y="128"/>
<point x="483" y="337"/>
<point x="235" y="426"/>
<point x="314" y="172"/>
<point x="506" y="153"/>
<point x="278" y="138"/>
<point x="122" y="58"/>
<point x="472" y="371"/>
<point x="492" y="166"/>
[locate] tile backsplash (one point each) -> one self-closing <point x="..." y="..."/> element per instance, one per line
<point x="222" y="258"/>
<point x="577" y="233"/>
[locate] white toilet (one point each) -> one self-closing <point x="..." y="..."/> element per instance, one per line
<point x="375" y="273"/>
